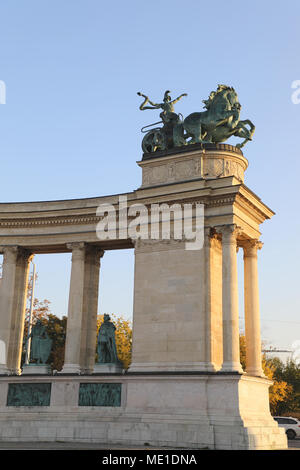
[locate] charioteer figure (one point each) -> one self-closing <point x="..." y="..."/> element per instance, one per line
<point x="168" y="114"/>
<point x="161" y="138"/>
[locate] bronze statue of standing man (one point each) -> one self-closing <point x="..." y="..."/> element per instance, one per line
<point x="106" y="344"/>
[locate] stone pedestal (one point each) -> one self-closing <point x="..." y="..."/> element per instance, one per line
<point x="108" y="368"/>
<point x="36" y="369"/>
<point x="214" y="411"/>
<point x="188" y="163"/>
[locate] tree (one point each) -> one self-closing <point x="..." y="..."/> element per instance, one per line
<point x="56" y="329"/>
<point x="41" y="309"/>
<point x="243" y="351"/>
<point x="280" y="391"/>
<point x="290" y="373"/>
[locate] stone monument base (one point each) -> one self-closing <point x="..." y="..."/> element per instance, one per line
<point x="215" y="411"/>
<point x="36" y="369"/>
<point x="108" y="368"/>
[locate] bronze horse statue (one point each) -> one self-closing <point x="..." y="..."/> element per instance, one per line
<point x="219" y="122"/>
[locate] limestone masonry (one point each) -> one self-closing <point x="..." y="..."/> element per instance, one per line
<point x="185" y="386"/>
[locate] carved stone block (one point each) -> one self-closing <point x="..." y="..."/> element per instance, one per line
<point x="192" y="165"/>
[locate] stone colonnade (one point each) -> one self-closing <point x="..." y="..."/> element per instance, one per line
<point x="82" y="309"/>
<point x="83" y="304"/>
<point x="231" y="352"/>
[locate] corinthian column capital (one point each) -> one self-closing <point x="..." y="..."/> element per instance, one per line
<point x="27" y="255"/>
<point x="250" y="247"/>
<point x="211" y="237"/>
<point x="98" y="251"/>
<point x="11" y="253"/>
<point x="76" y="246"/>
<point x="78" y="250"/>
<point x="229" y="233"/>
<point x="81" y="249"/>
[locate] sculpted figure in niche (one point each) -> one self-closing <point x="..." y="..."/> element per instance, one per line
<point x="40" y="343"/>
<point x="106" y="344"/>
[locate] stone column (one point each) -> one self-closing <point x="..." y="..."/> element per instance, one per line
<point x="213" y="301"/>
<point x="231" y="347"/>
<point x="13" y="295"/>
<point x="82" y="311"/>
<point x="252" y="316"/>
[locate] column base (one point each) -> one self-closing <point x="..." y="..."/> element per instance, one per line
<point x="108" y="368"/>
<point x="15" y="371"/>
<point x="36" y="369"/>
<point x="4" y="370"/>
<point x="232" y="367"/>
<point x="71" y="369"/>
<point x="208" y="367"/>
<point x="256" y="373"/>
<point x="172" y="367"/>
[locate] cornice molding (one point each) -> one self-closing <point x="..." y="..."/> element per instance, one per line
<point x="45" y="221"/>
<point x="94" y="219"/>
<point x="234" y="197"/>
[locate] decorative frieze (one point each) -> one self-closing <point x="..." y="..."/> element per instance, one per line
<point x="100" y="394"/>
<point x="192" y="165"/>
<point x="29" y="394"/>
<point x="48" y="220"/>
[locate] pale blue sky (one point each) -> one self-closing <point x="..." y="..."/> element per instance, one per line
<point x="71" y="124"/>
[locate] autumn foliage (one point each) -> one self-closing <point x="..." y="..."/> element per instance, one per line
<point x="281" y="391"/>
